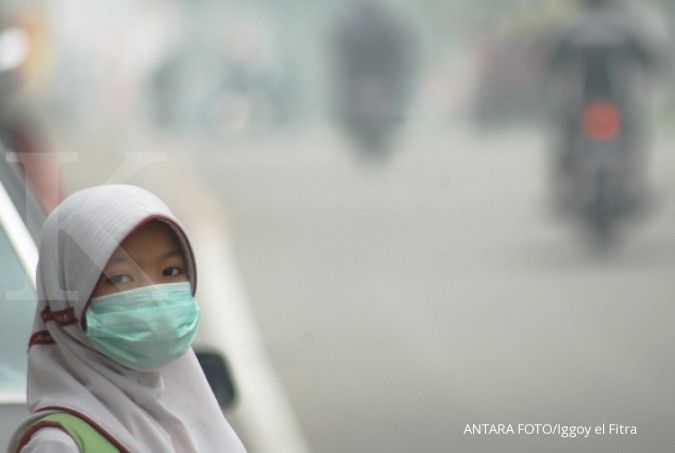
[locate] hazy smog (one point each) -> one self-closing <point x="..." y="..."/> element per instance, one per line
<point x="437" y="214"/>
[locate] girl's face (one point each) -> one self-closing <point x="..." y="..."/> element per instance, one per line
<point x="148" y="256"/>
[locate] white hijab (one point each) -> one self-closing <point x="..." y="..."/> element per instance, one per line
<point x="169" y="410"/>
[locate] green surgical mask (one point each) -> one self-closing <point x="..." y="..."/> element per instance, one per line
<point x="144" y="328"/>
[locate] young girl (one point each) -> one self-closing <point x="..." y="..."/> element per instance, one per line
<point x="110" y="368"/>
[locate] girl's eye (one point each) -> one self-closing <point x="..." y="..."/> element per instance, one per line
<point x="119" y="279"/>
<point x="172" y="271"/>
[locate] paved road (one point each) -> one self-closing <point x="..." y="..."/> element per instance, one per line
<point x="400" y="303"/>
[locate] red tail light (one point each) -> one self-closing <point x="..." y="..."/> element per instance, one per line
<point x="602" y="121"/>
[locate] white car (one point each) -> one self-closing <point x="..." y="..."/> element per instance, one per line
<point x="18" y="258"/>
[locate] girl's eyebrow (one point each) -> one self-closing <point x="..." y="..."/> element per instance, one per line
<point x="120" y="258"/>
<point x="171" y="253"/>
<point x="115" y="259"/>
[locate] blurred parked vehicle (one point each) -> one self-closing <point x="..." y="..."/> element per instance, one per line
<point x="228" y="80"/>
<point x="510" y="76"/>
<point x="510" y="60"/>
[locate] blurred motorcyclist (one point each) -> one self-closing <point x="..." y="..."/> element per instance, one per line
<point x="609" y="52"/>
<point x="374" y="52"/>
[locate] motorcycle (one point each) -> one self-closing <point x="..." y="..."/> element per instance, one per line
<point x="602" y="196"/>
<point x="604" y="146"/>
